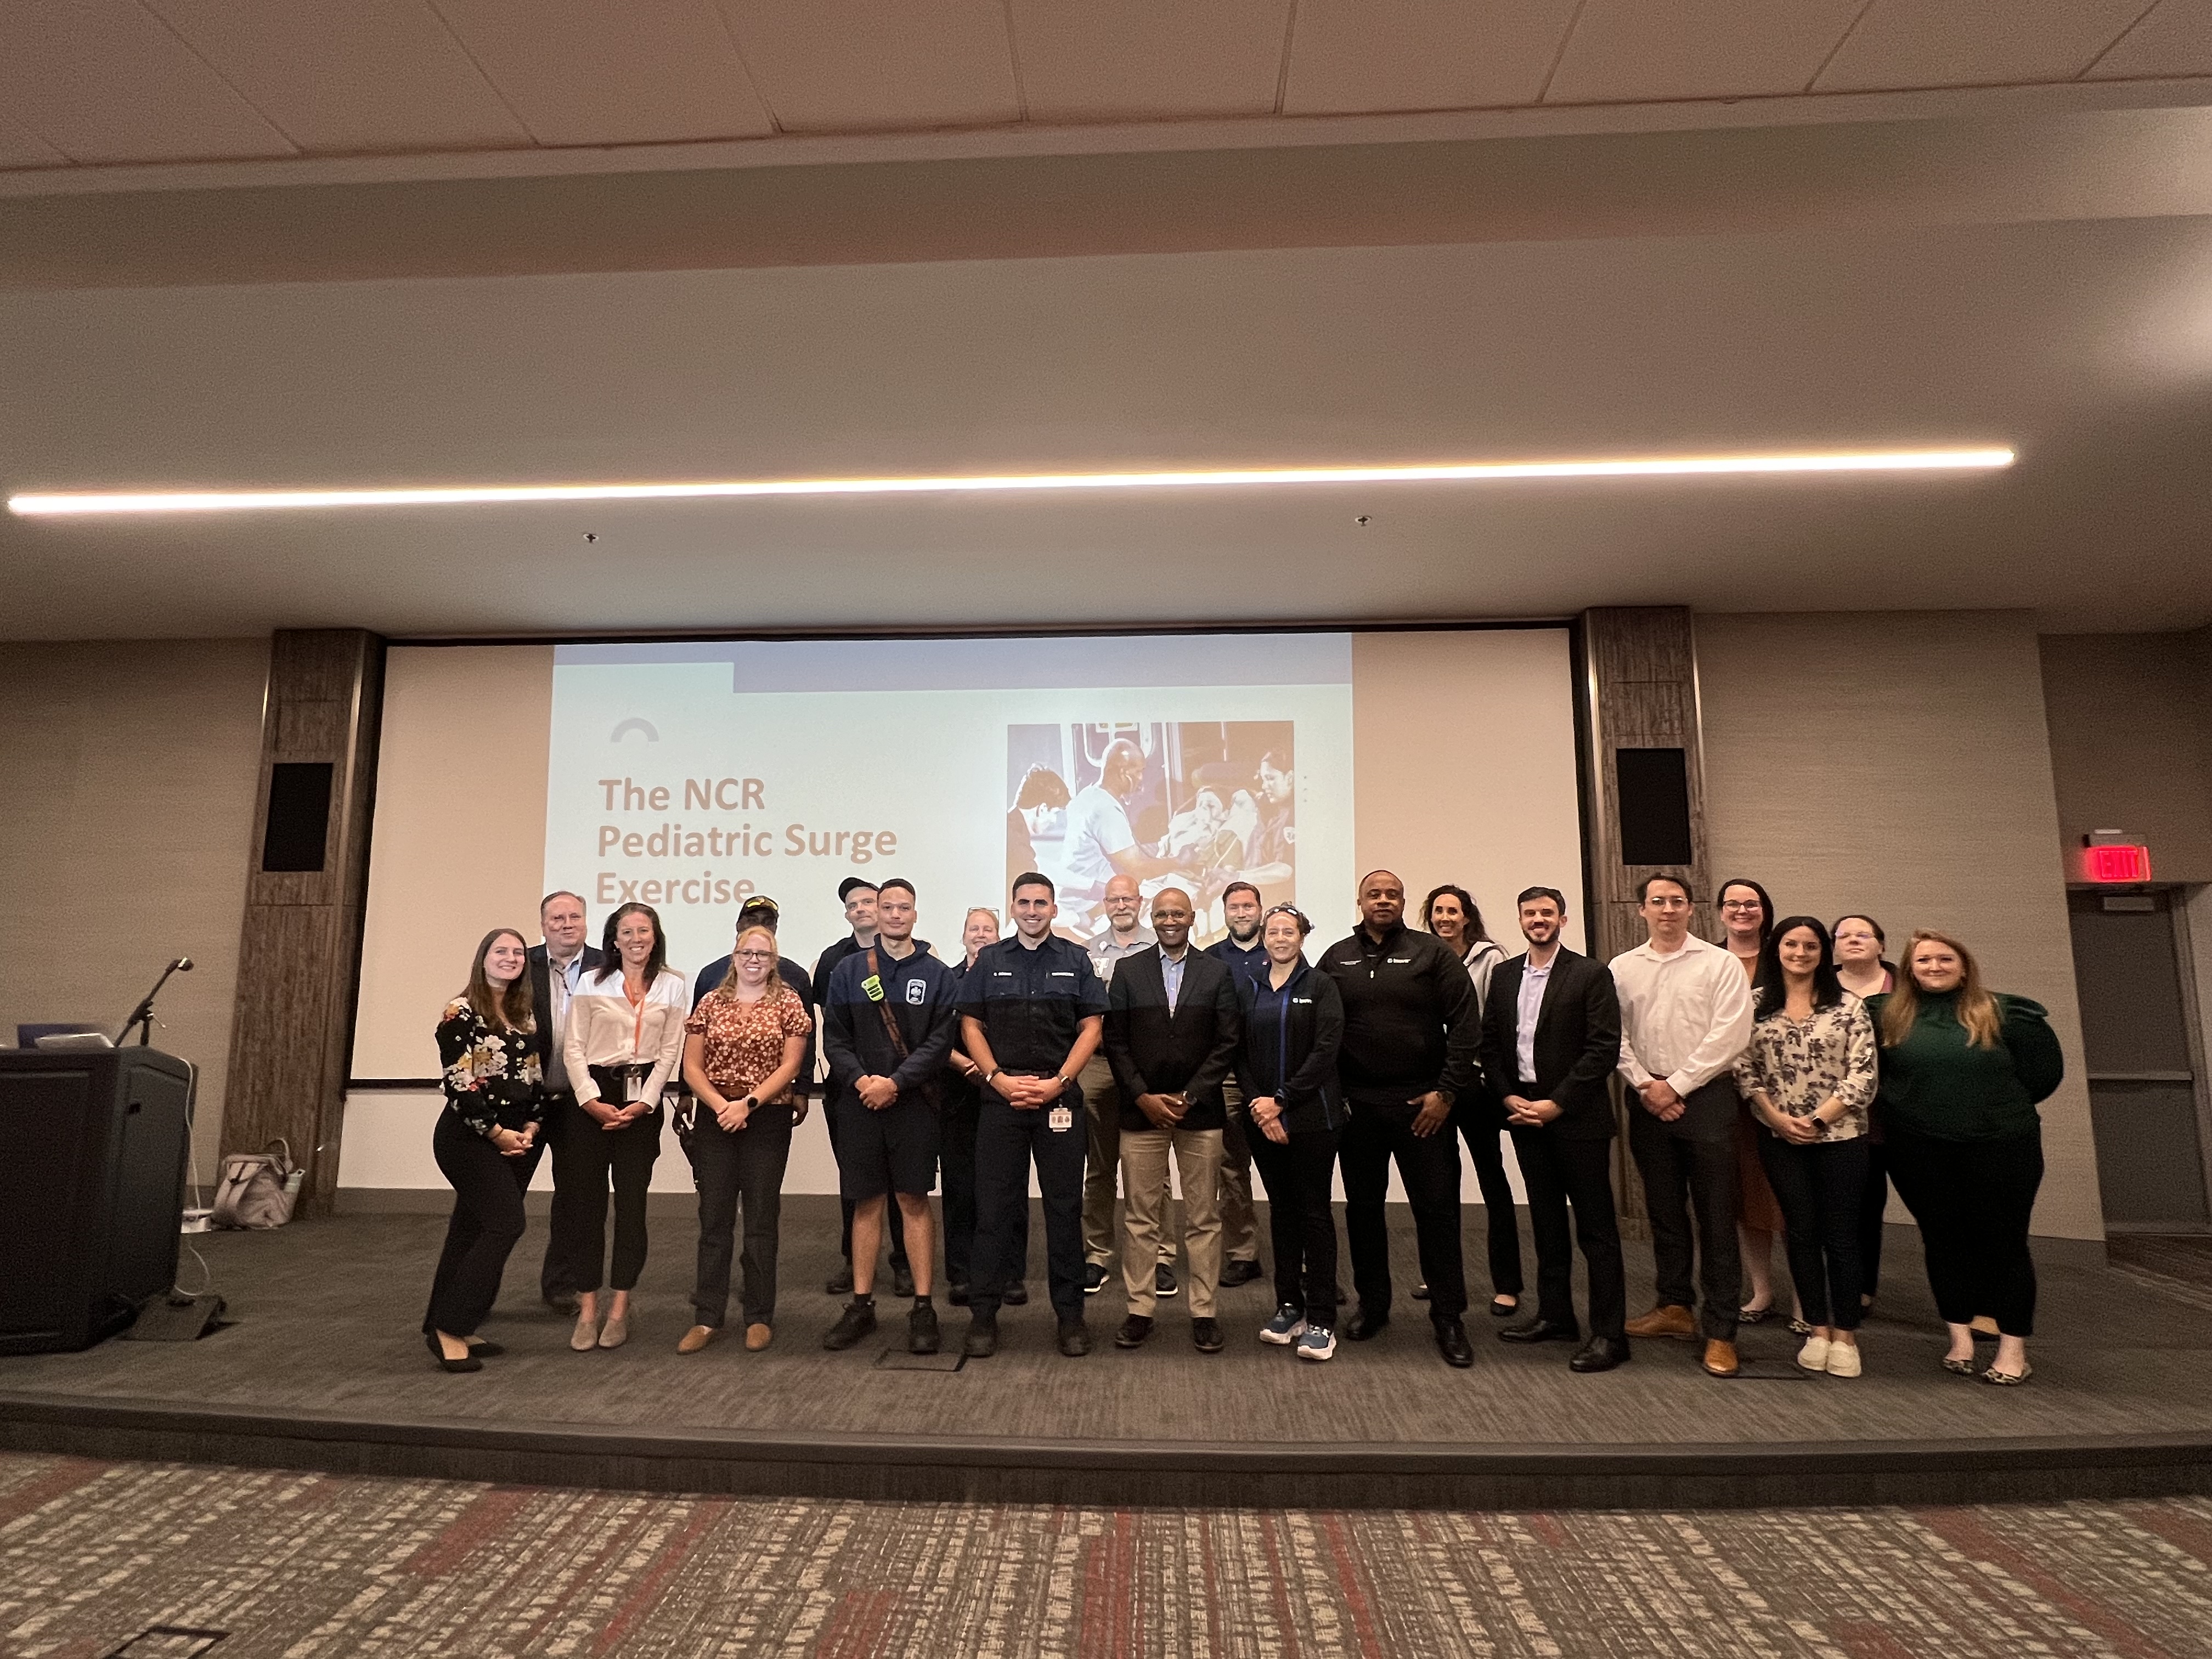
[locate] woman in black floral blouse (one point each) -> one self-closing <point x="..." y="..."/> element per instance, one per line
<point x="488" y="1049"/>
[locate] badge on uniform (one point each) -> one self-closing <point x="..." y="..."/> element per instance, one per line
<point x="917" y="991"/>
<point x="1062" y="1119"/>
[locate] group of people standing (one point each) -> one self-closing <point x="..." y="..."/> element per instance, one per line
<point x="1782" y="1076"/>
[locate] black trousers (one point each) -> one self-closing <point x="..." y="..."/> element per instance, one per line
<point x="895" y="1223"/>
<point x="550" y="1285"/>
<point x="746" y="1166"/>
<point x="1428" y="1167"/>
<point x="1821" y="1189"/>
<point x="1973" y="1200"/>
<point x="487" y="1221"/>
<point x="1690" y="1165"/>
<point x="957" y="1162"/>
<point x="1005" y="1142"/>
<point x="1560" y="1173"/>
<point x="1480" y="1117"/>
<point x="1872" y="1203"/>
<point x="585" y="1157"/>
<point x="1302" y="1218"/>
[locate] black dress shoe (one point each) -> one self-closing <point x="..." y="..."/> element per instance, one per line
<point x="1234" y="1273"/>
<point x="438" y="1353"/>
<point x="1016" y="1294"/>
<point x="841" y="1282"/>
<point x="1421" y="1292"/>
<point x="982" y="1339"/>
<point x="1206" y="1334"/>
<point x="1134" y="1329"/>
<point x="903" y="1280"/>
<point x="1501" y="1308"/>
<point x="1600" y="1353"/>
<point x="1452" y="1343"/>
<point x="483" y="1350"/>
<point x="1074" y="1338"/>
<point x="1364" y="1327"/>
<point x="1538" y="1329"/>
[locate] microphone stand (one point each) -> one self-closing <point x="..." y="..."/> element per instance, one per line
<point x="142" y="1015"/>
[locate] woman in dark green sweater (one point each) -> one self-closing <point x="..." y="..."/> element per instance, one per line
<point x="1962" y="1071"/>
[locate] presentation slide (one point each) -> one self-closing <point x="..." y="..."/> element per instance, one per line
<point x="690" y="775"/>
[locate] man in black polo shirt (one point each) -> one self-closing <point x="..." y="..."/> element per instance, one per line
<point x="1032" y="1014"/>
<point x="858" y="896"/>
<point x="1410" y="1044"/>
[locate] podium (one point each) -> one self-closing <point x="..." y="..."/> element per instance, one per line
<point x="93" y="1144"/>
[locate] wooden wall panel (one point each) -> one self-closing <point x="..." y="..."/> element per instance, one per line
<point x="299" y="944"/>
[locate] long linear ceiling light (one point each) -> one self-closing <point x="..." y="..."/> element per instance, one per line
<point x="82" y="502"/>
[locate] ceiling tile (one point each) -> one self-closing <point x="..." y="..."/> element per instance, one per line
<point x="21" y="148"/>
<point x="2175" y="38"/>
<point x="1634" y="51"/>
<point x="1900" y="44"/>
<point x="350" y="77"/>
<point x="1080" y="60"/>
<point x="877" y="65"/>
<point x="642" y="72"/>
<point x="1350" y="56"/>
<point x="105" y="80"/>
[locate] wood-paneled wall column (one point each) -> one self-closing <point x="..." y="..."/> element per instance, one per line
<point x="307" y="877"/>
<point x="1643" y="793"/>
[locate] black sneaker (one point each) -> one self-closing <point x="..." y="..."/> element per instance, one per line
<point x="841" y="1282"/>
<point x="922" y="1332"/>
<point x="1206" y="1335"/>
<point x="957" y="1294"/>
<point x="855" y="1322"/>
<point x="1094" y="1278"/>
<point x="982" y="1339"/>
<point x="1164" y="1280"/>
<point x="1234" y="1273"/>
<point x="901" y="1279"/>
<point x="1016" y="1294"/>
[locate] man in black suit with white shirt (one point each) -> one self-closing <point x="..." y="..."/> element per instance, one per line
<point x="556" y="966"/>
<point x="1550" y="1038"/>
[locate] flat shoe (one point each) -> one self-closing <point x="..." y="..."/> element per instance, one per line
<point x="483" y="1350"/>
<point x="696" y="1339"/>
<point x="615" y="1331"/>
<point x="1504" y="1307"/>
<point x="1814" y="1356"/>
<point x="2008" y="1379"/>
<point x="1755" y="1315"/>
<point x="1959" y="1367"/>
<point x="758" y="1336"/>
<point x="1843" y="1359"/>
<point x="438" y="1353"/>
<point x="586" y="1336"/>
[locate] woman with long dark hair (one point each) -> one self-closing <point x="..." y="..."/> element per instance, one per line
<point x="488" y="1052"/>
<point x="1451" y="913"/>
<point x="1808" y="1077"/>
<point x="624" y="1041"/>
<point x="1747" y="922"/>
<point x="1963" y="1070"/>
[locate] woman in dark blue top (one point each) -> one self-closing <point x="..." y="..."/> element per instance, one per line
<point x="1293" y="1025"/>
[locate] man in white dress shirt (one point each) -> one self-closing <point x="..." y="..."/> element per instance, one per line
<point x="1684" y="1015"/>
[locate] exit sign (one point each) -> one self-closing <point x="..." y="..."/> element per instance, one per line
<point x="2115" y="862"/>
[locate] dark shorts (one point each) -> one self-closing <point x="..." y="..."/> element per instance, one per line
<point x="893" y="1150"/>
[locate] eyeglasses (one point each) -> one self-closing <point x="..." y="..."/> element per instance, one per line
<point x="1741" y="904"/>
<point x="756" y="956"/>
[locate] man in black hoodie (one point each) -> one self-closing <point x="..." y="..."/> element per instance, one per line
<point x="1410" y="1045"/>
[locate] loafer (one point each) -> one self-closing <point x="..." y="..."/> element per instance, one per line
<point x="1452" y="1343"/>
<point x="1074" y="1338"/>
<point x="758" y="1335"/>
<point x="857" y="1320"/>
<point x="1843" y="1359"/>
<point x="1600" y="1353"/>
<point x="982" y="1339"/>
<point x="1234" y="1273"/>
<point x="903" y="1280"/>
<point x="615" y="1331"/>
<point x="696" y="1339"/>
<point x="1364" y="1327"/>
<point x="922" y="1335"/>
<point x="1720" y="1358"/>
<point x="1016" y="1294"/>
<point x="1134" y="1329"/>
<point x="1814" y="1356"/>
<point x="586" y="1336"/>
<point x="1206" y="1335"/>
<point x="1094" y="1278"/>
<point x="1671" y="1319"/>
<point x="1538" y="1329"/>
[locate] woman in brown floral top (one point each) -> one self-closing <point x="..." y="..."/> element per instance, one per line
<point x="487" y="1047"/>
<point x="1808" y="1077"/>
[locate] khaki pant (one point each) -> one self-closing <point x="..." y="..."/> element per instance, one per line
<point x="1144" y="1181"/>
<point x="1240" y="1229"/>
<point x="1102" y="1101"/>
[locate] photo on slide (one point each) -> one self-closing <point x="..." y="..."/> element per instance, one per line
<point x="1189" y="804"/>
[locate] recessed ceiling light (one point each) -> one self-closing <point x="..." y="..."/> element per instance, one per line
<point x="81" y="502"/>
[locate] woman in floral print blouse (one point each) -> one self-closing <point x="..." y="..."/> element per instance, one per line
<point x="487" y="1050"/>
<point x="1808" y="1076"/>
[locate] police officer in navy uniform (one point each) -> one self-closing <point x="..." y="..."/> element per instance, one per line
<point x="1032" y="1011"/>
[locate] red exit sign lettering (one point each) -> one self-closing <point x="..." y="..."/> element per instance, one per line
<point x="2118" y="863"/>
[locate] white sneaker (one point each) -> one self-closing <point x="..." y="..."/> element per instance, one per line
<point x="1842" y="1359"/>
<point x="1814" y="1356"/>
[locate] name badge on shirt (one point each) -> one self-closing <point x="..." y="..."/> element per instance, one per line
<point x="1061" y="1120"/>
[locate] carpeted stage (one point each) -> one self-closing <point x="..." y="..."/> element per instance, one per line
<point x="325" y="1369"/>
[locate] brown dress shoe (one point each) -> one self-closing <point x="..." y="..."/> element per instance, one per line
<point x="696" y="1339"/>
<point x="1671" y="1319"/>
<point x="757" y="1337"/>
<point x="1720" y="1358"/>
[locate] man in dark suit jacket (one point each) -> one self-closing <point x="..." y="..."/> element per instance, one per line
<point x="1551" y="1039"/>
<point x="560" y="920"/>
<point x="1172" y="1025"/>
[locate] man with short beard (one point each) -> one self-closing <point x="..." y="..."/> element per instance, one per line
<point x="1240" y="1228"/>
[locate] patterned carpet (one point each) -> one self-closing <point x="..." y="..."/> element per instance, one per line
<point x="95" y="1555"/>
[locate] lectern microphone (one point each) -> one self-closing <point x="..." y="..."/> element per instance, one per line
<point x="142" y="1015"/>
